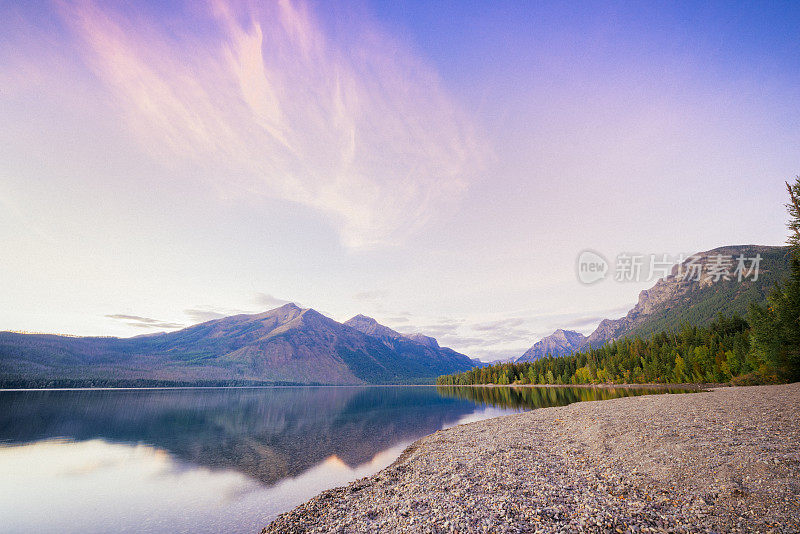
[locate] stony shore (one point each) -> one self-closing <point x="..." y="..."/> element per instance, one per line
<point x="727" y="460"/>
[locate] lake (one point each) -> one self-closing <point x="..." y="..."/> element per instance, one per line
<point x="217" y="460"/>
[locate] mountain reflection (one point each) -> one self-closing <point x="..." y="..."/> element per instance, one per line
<point x="217" y="460"/>
<point x="268" y="434"/>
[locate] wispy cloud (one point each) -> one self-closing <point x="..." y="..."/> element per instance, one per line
<point x="437" y="328"/>
<point x="372" y="296"/>
<point x="363" y="131"/>
<point x="499" y="325"/>
<point x="202" y="314"/>
<point x="145" y="322"/>
<point x="398" y="319"/>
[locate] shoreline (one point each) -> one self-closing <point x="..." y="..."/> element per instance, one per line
<point x="650" y="385"/>
<point x="688" y="386"/>
<point x="720" y="460"/>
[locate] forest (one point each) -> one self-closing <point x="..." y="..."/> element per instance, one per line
<point x="717" y="353"/>
<point x="762" y="348"/>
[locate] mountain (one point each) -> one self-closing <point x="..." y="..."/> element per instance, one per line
<point x="559" y="343"/>
<point x="418" y="348"/>
<point x="285" y="345"/>
<point x="373" y="328"/>
<point x="680" y="299"/>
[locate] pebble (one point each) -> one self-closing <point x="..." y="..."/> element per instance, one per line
<point x="616" y="466"/>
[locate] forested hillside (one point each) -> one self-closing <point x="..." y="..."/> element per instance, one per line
<point x="698" y="297"/>
<point x="717" y="353"/>
<point x="702" y="303"/>
<point x="763" y="348"/>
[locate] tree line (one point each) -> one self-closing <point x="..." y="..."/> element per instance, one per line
<point x="763" y="348"/>
<point x="717" y="353"/>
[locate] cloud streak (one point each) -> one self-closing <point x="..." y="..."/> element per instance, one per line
<point x="144" y="322"/>
<point x="201" y="315"/>
<point x="274" y="106"/>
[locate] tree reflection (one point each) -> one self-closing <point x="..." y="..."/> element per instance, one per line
<point x="529" y="398"/>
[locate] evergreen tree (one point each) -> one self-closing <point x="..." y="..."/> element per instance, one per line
<point x="776" y="326"/>
<point x="766" y="347"/>
<point x="794" y="213"/>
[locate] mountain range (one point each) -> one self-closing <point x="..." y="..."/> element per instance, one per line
<point x="301" y="346"/>
<point x="285" y="345"/>
<point x="417" y="348"/>
<point x="680" y="298"/>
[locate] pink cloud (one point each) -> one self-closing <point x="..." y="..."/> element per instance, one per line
<point x="365" y="133"/>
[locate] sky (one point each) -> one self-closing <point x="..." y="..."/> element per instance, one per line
<point x="436" y="165"/>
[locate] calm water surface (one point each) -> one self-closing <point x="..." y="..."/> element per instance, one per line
<point x="216" y="460"/>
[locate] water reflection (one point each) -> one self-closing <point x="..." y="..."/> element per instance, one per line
<point x="531" y="397"/>
<point x="216" y="460"/>
<point x="96" y="486"/>
<point x="268" y="434"/>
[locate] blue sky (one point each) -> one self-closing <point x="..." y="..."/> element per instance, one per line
<point x="437" y="165"/>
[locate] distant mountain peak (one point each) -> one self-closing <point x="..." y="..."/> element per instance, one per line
<point x="414" y="346"/>
<point x="363" y="319"/>
<point x="424" y="340"/>
<point x="269" y="319"/>
<point x="373" y="328"/>
<point x="370" y="326"/>
<point x="567" y="334"/>
<point x="289" y="306"/>
<point x="558" y="343"/>
<point x="287" y="309"/>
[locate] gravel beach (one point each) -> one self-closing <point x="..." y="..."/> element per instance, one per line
<point x="727" y="460"/>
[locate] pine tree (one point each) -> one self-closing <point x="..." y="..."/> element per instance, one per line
<point x="794" y="213"/>
<point x="776" y="326"/>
